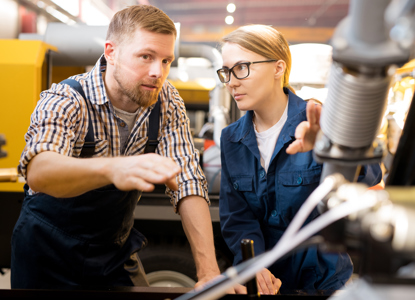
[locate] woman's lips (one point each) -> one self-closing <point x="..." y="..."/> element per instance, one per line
<point x="237" y="96"/>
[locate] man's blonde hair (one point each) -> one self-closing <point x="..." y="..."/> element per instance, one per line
<point x="125" y="22"/>
<point x="263" y="40"/>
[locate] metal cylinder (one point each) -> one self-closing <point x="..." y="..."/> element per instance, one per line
<point x="373" y="32"/>
<point x="220" y="99"/>
<point x="354" y="107"/>
<point x="247" y="247"/>
<point x="8" y="175"/>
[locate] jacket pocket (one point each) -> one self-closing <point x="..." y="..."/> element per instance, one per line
<point x="245" y="185"/>
<point x="301" y="177"/>
<point x="293" y="189"/>
<point x="242" y="183"/>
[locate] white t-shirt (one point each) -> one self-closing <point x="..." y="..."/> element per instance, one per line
<point x="267" y="139"/>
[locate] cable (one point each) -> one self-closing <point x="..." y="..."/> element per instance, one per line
<point x="247" y="270"/>
<point x="222" y="282"/>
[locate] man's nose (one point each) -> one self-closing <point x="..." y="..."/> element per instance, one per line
<point x="156" y="70"/>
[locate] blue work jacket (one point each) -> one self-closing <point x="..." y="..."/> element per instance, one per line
<point x="259" y="205"/>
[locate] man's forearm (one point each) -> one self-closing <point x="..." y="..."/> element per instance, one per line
<point x="197" y="225"/>
<point x="62" y="176"/>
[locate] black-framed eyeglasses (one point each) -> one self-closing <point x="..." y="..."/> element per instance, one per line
<point x="240" y="70"/>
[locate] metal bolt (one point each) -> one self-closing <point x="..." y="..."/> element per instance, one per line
<point x="340" y="43"/>
<point x="322" y="144"/>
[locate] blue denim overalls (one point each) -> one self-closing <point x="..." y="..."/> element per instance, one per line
<point x="86" y="241"/>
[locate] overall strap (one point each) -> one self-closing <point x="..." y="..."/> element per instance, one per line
<point x="153" y="128"/>
<point x="89" y="144"/>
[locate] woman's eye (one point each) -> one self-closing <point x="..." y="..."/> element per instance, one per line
<point x="240" y="67"/>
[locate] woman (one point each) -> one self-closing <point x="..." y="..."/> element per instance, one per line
<point x="266" y="173"/>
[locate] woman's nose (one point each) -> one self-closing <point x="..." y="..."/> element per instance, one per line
<point x="233" y="81"/>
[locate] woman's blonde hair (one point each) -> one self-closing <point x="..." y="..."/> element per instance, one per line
<point x="125" y="22"/>
<point x="263" y="40"/>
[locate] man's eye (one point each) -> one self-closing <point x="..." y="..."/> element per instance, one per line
<point x="166" y="61"/>
<point x="145" y="56"/>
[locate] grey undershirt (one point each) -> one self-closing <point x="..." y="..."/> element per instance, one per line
<point x="126" y="121"/>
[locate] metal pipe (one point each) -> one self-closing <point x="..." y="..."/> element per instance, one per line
<point x="219" y="102"/>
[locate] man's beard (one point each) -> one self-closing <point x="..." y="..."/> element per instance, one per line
<point x="136" y="94"/>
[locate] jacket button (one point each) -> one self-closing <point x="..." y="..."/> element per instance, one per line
<point x="299" y="180"/>
<point x="262" y="174"/>
<point x="274" y="213"/>
<point x="235" y="186"/>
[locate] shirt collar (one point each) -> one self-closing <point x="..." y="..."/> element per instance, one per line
<point x="96" y="87"/>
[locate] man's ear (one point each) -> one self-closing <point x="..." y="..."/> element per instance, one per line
<point x="280" y="69"/>
<point x="109" y="52"/>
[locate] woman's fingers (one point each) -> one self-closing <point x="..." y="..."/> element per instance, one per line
<point x="267" y="283"/>
<point x="277" y="284"/>
<point x="306" y="131"/>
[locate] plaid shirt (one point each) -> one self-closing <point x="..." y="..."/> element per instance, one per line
<point x="60" y="120"/>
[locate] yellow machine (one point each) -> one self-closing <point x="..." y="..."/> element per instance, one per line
<point x="24" y="73"/>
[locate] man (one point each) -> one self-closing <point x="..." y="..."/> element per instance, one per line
<point x="75" y="228"/>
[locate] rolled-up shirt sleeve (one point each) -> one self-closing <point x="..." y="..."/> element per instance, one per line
<point x="177" y="142"/>
<point x="52" y="126"/>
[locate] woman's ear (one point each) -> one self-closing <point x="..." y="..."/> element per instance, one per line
<point x="279" y="69"/>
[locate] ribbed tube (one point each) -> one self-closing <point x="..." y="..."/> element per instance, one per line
<point x="354" y="108"/>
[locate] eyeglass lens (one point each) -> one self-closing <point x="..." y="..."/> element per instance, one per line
<point x="240" y="71"/>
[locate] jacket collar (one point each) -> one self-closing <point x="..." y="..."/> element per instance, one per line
<point x="295" y="115"/>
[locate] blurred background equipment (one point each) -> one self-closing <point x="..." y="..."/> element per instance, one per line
<point x="310" y="69"/>
<point x="402" y="128"/>
<point x="9" y="212"/>
<point x="2" y="143"/>
<point x="9" y="174"/>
